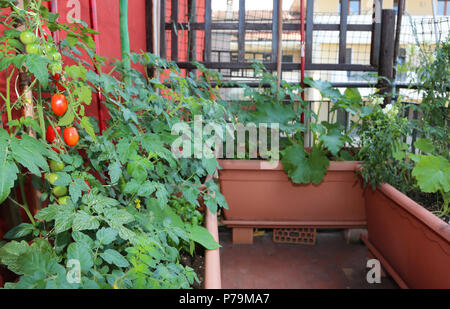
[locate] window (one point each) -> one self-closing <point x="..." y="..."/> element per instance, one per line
<point x="354" y="7"/>
<point x="443" y="7"/>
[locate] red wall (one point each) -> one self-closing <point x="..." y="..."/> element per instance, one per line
<point x="109" y="40"/>
<point x="108" y="23"/>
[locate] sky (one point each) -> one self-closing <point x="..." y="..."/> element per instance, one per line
<point x="221" y="5"/>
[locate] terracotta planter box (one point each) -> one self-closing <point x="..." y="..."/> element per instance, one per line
<point x="262" y="195"/>
<point x="212" y="257"/>
<point x="411" y="243"/>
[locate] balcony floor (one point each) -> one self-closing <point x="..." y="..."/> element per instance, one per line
<point x="329" y="264"/>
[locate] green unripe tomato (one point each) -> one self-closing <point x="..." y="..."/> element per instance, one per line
<point x="63" y="200"/>
<point x="55" y="68"/>
<point x="56" y="166"/>
<point x="54" y="56"/>
<point x="32" y="48"/>
<point x="59" y="191"/>
<point x="27" y="37"/>
<point x="52" y="177"/>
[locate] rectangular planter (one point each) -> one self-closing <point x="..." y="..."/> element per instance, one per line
<point x="412" y="243"/>
<point x="261" y="195"/>
<point x="212" y="257"/>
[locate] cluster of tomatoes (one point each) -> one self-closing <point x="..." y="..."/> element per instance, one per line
<point x="34" y="45"/>
<point x="70" y="134"/>
<point x="59" y="191"/>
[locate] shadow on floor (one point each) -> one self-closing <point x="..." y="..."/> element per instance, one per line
<point x="329" y="264"/>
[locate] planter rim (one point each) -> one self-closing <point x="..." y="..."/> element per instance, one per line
<point x="267" y="165"/>
<point x="212" y="279"/>
<point x="436" y="224"/>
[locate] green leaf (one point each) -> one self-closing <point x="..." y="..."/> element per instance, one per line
<point x="333" y="141"/>
<point x="19" y="231"/>
<point x="295" y="163"/>
<point x="37" y="65"/>
<point x="353" y="95"/>
<point x="118" y="216"/>
<point x="210" y="165"/>
<point x="191" y="194"/>
<point x="80" y="252"/>
<point x="64" y="218"/>
<point x="8" y="173"/>
<point x="84" y="221"/>
<point x="318" y="163"/>
<point x="113" y="257"/>
<point x="76" y="71"/>
<point x="432" y="174"/>
<point x="10" y="255"/>
<point x="48" y="213"/>
<point x="203" y="236"/>
<point x="132" y="187"/>
<point x="105" y="236"/>
<point x="146" y="189"/>
<point x="25" y="153"/>
<point x="64" y="179"/>
<point x="100" y="203"/>
<point x="424" y="145"/>
<point x="86" y="124"/>
<point x="325" y="88"/>
<point x="114" y="171"/>
<point x="302" y="167"/>
<point x="67" y="119"/>
<point x="272" y="112"/>
<point x="83" y="94"/>
<point x="84" y="239"/>
<point x="62" y="240"/>
<point x="75" y="189"/>
<point x="72" y="39"/>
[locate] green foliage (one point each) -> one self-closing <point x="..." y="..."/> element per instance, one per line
<point x="123" y="228"/>
<point x="284" y="106"/>
<point x="381" y="147"/>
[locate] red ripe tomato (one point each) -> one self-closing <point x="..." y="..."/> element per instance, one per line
<point x="56" y="76"/>
<point x="59" y="104"/>
<point x="50" y="134"/>
<point x="70" y="136"/>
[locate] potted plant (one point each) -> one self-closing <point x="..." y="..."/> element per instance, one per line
<point x="291" y="193"/>
<point x="407" y="204"/>
<point x="112" y="218"/>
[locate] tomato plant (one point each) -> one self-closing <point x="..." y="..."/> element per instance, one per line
<point x="110" y="200"/>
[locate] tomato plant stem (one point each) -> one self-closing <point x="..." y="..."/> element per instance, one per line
<point x="41" y="111"/>
<point x="8" y="94"/>
<point x="125" y="39"/>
